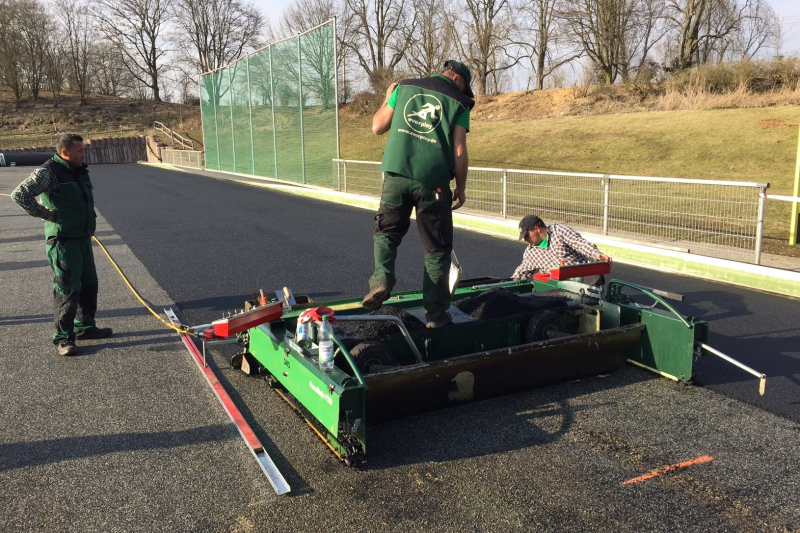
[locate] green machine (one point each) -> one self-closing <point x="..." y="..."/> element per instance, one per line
<point x="547" y="330"/>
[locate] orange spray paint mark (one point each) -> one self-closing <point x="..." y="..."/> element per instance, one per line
<point x="671" y="468"/>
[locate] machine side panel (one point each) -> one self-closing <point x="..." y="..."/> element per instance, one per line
<point x="300" y="377"/>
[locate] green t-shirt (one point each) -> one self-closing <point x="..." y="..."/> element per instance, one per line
<point x="420" y="137"/>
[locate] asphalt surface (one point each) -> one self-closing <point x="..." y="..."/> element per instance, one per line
<point x="128" y="437"/>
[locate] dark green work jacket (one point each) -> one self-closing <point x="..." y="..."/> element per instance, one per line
<point x="72" y="201"/>
<point x="420" y="138"/>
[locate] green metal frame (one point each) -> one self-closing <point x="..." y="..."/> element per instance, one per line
<point x="334" y="402"/>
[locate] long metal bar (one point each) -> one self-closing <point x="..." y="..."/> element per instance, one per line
<point x="253" y="444"/>
<point x="336" y="85"/>
<point x="233" y="126"/>
<point x="390" y="318"/>
<point x="782" y="197"/>
<point x="762" y="377"/>
<point x="216" y="125"/>
<point x="301" y="106"/>
<point x="606" y="196"/>
<point x="762" y="198"/>
<point x="250" y="108"/>
<point x="795" y="193"/>
<point x="272" y="105"/>
<point x="505" y="193"/>
<point x="202" y="122"/>
<point x="756" y="185"/>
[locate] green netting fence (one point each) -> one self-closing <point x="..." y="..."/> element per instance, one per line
<point x="273" y="113"/>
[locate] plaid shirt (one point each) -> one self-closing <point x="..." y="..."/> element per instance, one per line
<point x="40" y="181"/>
<point x="564" y="244"/>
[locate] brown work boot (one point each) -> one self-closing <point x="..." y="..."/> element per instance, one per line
<point x="376" y="296"/>
<point x="93" y="333"/>
<point x="66" y="348"/>
<point x="444" y="320"/>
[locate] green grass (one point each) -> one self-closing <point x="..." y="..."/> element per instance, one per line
<point x="758" y="145"/>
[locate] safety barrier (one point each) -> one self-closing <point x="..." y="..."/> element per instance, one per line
<point x="715" y="218"/>
<point x="183" y="158"/>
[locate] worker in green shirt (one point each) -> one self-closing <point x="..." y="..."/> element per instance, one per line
<point x="427" y="120"/>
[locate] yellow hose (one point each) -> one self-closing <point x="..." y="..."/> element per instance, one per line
<point x="182" y="329"/>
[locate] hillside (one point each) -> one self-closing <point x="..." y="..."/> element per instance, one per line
<point x="103" y="116"/>
<point x="559" y="129"/>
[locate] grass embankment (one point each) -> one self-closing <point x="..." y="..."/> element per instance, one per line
<point x="758" y="145"/>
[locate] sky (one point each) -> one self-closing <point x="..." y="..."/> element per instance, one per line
<point x="787" y="10"/>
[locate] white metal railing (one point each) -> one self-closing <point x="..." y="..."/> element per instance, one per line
<point x="183" y="158"/>
<point x="710" y="217"/>
<point x="186" y="144"/>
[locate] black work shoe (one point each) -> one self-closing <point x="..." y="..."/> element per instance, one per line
<point x="444" y="320"/>
<point x="93" y="333"/>
<point x="376" y="296"/>
<point x="66" y="348"/>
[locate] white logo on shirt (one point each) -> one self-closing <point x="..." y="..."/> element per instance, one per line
<point x="421" y="115"/>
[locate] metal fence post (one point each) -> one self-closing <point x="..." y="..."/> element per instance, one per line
<point x="505" y="193"/>
<point x="250" y="108"/>
<point x="300" y="87"/>
<point x="344" y="168"/>
<point x="338" y="175"/>
<point x="272" y="106"/>
<point x="606" y="195"/>
<point x="762" y="198"/>
<point x="233" y="126"/>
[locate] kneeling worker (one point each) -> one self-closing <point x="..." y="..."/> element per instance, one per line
<point x="552" y="246"/>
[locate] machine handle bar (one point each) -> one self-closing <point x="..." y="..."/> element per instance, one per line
<point x="651" y="294"/>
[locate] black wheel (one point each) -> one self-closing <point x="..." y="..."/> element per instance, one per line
<point x="370" y="354"/>
<point x="545" y="326"/>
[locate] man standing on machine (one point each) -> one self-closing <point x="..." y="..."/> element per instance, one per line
<point x="427" y="120"/>
<point x="68" y="211"/>
<point x="553" y="246"/>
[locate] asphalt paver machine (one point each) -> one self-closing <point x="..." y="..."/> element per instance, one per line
<point x="506" y="336"/>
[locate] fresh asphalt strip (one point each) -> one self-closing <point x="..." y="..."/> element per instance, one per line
<point x="129" y="438"/>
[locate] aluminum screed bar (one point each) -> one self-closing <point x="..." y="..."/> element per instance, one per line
<point x="253" y="444"/>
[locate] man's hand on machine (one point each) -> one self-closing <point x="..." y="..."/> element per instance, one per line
<point x="604" y="258"/>
<point x="459" y="198"/>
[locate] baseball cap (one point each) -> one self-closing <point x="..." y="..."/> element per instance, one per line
<point x="527" y="223"/>
<point x="462" y="70"/>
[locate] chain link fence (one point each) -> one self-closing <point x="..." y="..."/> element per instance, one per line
<point x="273" y="113"/>
<point x="722" y="219"/>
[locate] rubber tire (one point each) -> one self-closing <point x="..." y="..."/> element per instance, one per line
<point x="370" y="353"/>
<point x="542" y="323"/>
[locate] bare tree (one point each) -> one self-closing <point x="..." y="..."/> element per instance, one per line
<point x="430" y="43"/>
<point x="490" y="46"/>
<point x="758" y="29"/>
<point x="603" y="28"/>
<point x="109" y="75"/>
<point x="76" y="24"/>
<point x="56" y="67"/>
<point x="35" y="28"/>
<point x="377" y="30"/>
<point x="700" y="25"/>
<point x="302" y="15"/>
<point x="546" y="43"/>
<point x="137" y="28"/>
<point x="12" y="49"/>
<point x="218" y="31"/>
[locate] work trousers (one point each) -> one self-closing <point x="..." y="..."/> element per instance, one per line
<point x="399" y="197"/>
<point x="74" y="285"/>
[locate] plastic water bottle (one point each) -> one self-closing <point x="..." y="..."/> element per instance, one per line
<point x="325" y="342"/>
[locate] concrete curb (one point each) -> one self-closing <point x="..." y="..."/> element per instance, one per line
<point x="763" y="278"/>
